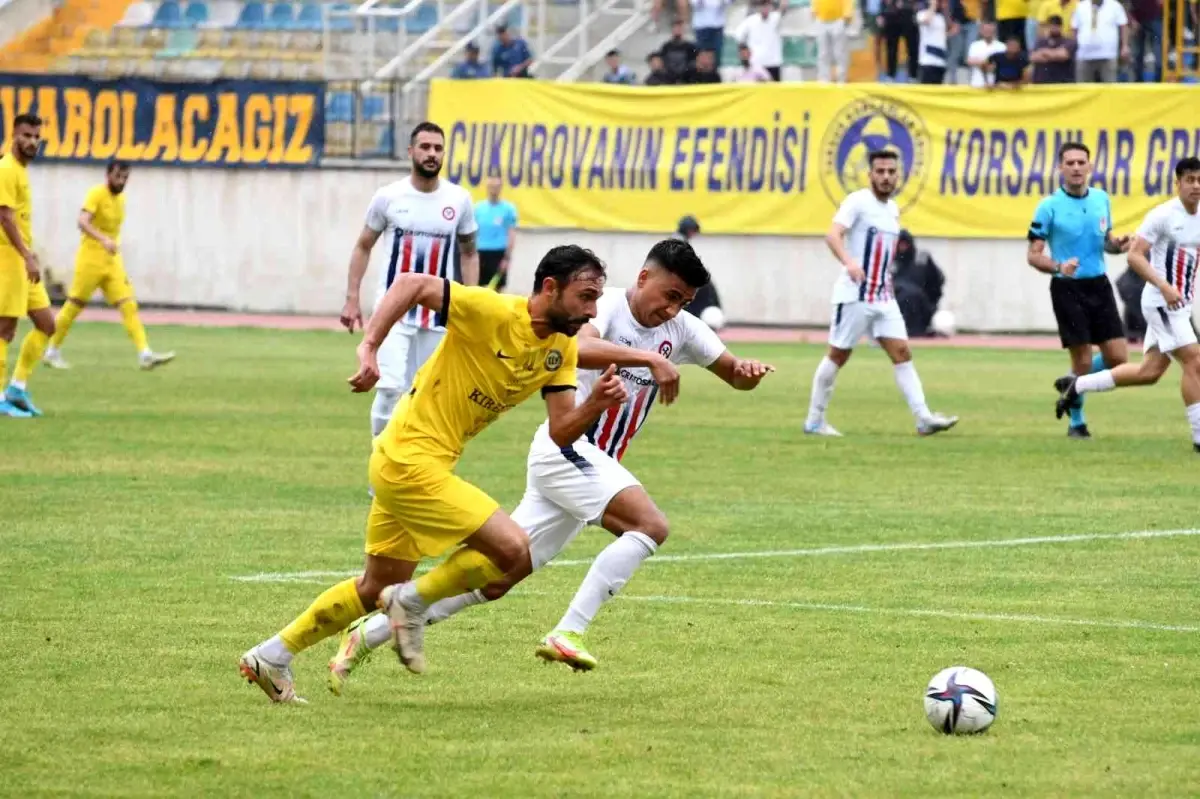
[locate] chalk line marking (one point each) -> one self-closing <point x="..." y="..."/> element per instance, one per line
<point x="857" y="549"/>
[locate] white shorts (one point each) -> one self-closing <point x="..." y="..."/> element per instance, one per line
<point x="403" y="352"/>
<point x="853" y="320"/>
<point x="565" y="490"/>
<point x="1167" y="330"/>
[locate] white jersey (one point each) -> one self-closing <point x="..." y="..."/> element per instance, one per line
<point x="425" y="229"/>
<point x="684" y="339"/>
<point x="1174" y="237"/>
<point x="872" y="230"/>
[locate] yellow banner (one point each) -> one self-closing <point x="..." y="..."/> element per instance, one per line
<point x="778" y="158"/>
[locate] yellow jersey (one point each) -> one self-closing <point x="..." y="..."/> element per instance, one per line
<point x="489" y="362"/>
<point x="1051" y="8"/>
<point x="15" y="194"/>
<point x="832" y="10"/>
<point x="1012" y="9"/>
<point x="108" y="214"/>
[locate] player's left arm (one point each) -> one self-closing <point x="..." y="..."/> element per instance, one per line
<point x="406" y="292"/>
<point x="744" y="374"/>
<point x="597" y="353"/>
<point x="467" y="231"/>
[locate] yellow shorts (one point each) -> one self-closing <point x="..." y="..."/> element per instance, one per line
<point x="420" y="511"/>
<point x="18" y="296"/>
<point x="109" y="277"/>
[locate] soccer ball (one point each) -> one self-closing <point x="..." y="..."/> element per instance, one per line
<point x="960" y="701"/>
<point x="943" y="323"/>
<point x="713" y="316"/>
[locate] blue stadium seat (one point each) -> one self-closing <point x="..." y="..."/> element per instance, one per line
<point x="341" y="24"/>
<point x="282" y="17"/>
<point x="425" y="18"/>
<point x="196" y="14"/>
<point x="168" y="15"/>
<point x="372" y="108"/>
<point x="340" y="107"/>
<point x="309" y="18"/>
<point x="253" y="16"/>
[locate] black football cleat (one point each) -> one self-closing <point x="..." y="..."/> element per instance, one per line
<point x="1078" y="431"/>
<point x="1068" y="397"/>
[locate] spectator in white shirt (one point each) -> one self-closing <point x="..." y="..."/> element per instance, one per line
<point x="933" y="25"/>
<point x="979" y="56"/>
<point x="1102" y="37"/>
<point x="761" y="32"/>
<point x="708" y="23"/>
<point x="749" y="72"/>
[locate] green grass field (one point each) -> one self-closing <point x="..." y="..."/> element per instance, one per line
<point x="127" y="512"/>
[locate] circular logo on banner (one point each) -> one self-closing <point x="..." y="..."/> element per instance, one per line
<point x="866" y="125"/>
<point x="553" y="360"/>
<point x="665" y="349"/>
<point x="447" y="213"/>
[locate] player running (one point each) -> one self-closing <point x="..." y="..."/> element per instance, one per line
<point x="1166" y="253"/>
<point x="645" y="332"/>
<point x="498" y="351"/>
<point x="868" y="221"/>
<point x="22" y="292"/>
<point x="429" y="219"/>
<point x="99" y="265"/>
<point x="1070" y="232"/>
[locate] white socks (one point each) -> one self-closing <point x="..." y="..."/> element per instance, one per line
<point x="910" y="386"/>
<point x="1099" y="381"/>
<point x="377" y="631"/>
<point x="274" y="652"/>
<point x="822" y="390"/>
<point x="611" y="570"/>
<point x="1193" y="414"/>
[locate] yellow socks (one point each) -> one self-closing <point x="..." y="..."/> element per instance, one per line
<point x="332" y="612"/>
<point x="62" y="323"/>
<point x="463" y="571"/>
<point x="3" y="361"/>
<point x="32" y="348"/>
<point x="133" y="326"/>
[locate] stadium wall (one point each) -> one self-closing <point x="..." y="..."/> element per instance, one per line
<point x="277" y="241"/>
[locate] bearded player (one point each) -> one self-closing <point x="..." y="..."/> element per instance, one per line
<point x="645" y="332"/>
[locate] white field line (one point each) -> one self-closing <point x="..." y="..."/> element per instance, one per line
<point x="856" y="549"/>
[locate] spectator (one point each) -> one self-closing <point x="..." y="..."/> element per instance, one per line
<point x="979" y="56"/>
<point x="918" y="283"/>
<point x="681" y="12"/>
<point x="1054" y="55"/>
<point x="1010" y="19"/>
<point x="832" y="17"/>
<point x="658" y="75"/>
<point x="471" y="66"/>
<point x="705" y="70"/>
<point x="899" y="22"/>
<point x="751" y="73"/>
<point x="871" y="10"/>
<point x="617" y="72"/>
<point x="678" y="54"/>
<point x="1102" y="37"/>
<point x="1064" y="9"/>
<point x="706" y="296"/>
<point x="760" y="31"/>
<point x="1147" y="34"/>
<point x="932" y="60"/>
<point x="708" y="23"/>
<point x="959" y="35"/>
<point x="511" y="57"/>
<point x="1010" y="65"/>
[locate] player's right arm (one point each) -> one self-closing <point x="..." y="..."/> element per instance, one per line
<point x="843" y="220"/>
<point x="8" y="222"/>
<point x="1139" y="258"/>
<point x="360" y="259"/>
<point x="567" y="421"/>
<point x="407" y="291"/>
<point x="91" y="204"/>
<point x="1038" y="255"/>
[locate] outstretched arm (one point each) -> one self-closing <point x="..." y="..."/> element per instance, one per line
<point x="596" y="353"/>
<point x="741" y="373"/>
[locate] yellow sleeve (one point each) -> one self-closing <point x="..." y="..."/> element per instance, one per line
<point x="91" y="203"/>
<point x="8" y="188"/>
<point x="564" y="376"/>
<point x="847" y="9"/>
<point x="472" y="310"/>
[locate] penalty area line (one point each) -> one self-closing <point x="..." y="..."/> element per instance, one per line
<point x="856" y="549"/>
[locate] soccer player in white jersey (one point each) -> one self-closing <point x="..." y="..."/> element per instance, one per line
<point x="863" y="238"/>
<point x="645" y="332"/>
<point x="1166" y="253"/>
<point x="429" y="218"/>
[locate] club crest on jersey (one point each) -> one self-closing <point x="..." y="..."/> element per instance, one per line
<point x="866" y="125"/>
<point x="665" y="349"/>
<point x="1103" y="224"/>
<point x="448" y="213"/>
<point x="554" y="360"/>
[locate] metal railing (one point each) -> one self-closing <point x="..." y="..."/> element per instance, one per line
<point x="637" y="18"/>
<point x="362" y="124"/>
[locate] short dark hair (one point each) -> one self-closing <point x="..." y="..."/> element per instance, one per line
<point x="115" y="164"/>
<point x="425" y="127"/>
<point x="1054" y="19"/>
<point x="678" y="258"/>
<point x="612" y="53"/>
<point x="564" y="262"/>
<point x="28" y="118"/>
<point x="1185" y="165"/>
<point x="655" y="54"/>
<point x="882" y="155"/>
<point x="1073" y="145"/>
<point x="1012" y="39"/>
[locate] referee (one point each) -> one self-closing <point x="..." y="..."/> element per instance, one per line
<point x="1070" y="233"/>
<point x="497" y="220"/>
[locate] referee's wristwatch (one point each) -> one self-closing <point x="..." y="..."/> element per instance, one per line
<point x="1057" y="269"/>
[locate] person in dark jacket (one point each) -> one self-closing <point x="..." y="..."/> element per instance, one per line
<point x="918" y="282"/>
<point x="706" y="297"/>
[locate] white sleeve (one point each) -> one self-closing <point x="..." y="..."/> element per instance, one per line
<point x="1152" y="226"/>
<point x="466" y="216"/>
<point x="702" y="346"/>
<point x="847" y="212"/>
<point x="1122" y="17"/>
<point x="605" y="307"/>
<point x="1075" y="18"/>
<point x="377" y="212"/>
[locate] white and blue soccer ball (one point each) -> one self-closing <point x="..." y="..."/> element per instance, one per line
<point x="714" y="317"/>
<point x="960" y="701"/>
<point x="943" y="323"/>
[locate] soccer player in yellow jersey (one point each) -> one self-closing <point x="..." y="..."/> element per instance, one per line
<point x="498" y="351"/>
<point x="21" y="289"/>
<point x="99" y="265"/>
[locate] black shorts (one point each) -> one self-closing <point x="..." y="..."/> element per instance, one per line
<point x="489" y="265"/>
<point x="1086" y="311"/>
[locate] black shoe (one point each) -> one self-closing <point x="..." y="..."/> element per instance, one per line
<point x="1078" y="431"/>
<point x="1196" y="447"/>
<point x="1068" y="397"/>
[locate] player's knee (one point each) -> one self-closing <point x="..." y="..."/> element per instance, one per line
<point x="512" y="553"/>
<point x="901" y="353"/>
<point x="45" y="324"/>
<point x="495" y="591"/>
<point x="656" y="526"/>
<point x="839" y="357"/>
